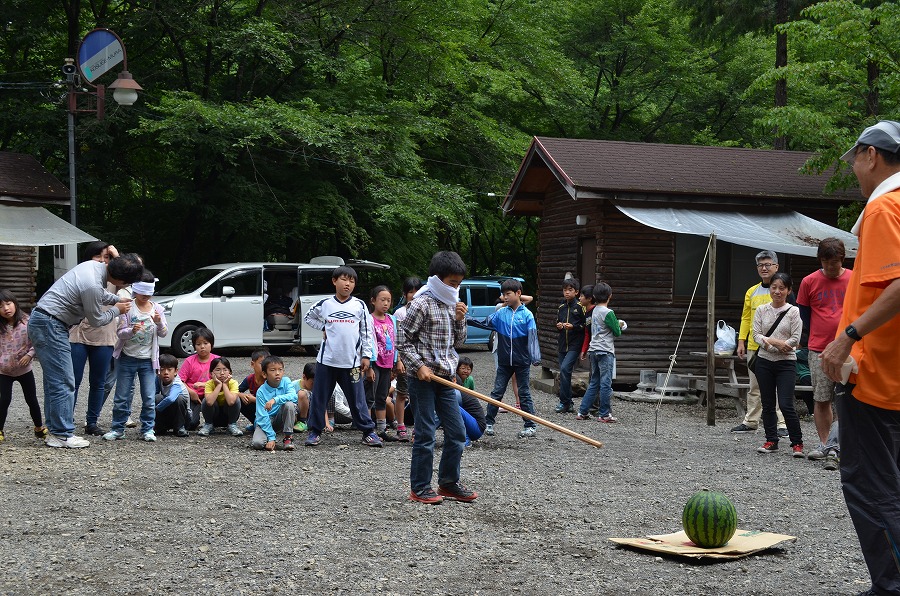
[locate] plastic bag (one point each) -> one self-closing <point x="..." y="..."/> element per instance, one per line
<point x="726" y="339"/>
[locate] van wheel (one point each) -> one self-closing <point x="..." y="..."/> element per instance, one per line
<point x="183" y="340"/>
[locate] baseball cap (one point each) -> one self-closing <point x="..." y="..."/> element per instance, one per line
<point x="884" y="135"/>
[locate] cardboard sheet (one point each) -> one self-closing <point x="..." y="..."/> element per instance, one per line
<point x="742" y="544"/>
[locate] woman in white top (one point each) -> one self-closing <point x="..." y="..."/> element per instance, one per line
<point x="776" y="363"/>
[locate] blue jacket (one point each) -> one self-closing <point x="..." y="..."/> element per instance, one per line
<point x="517" y="339"/>
<point x="285" y="392"/>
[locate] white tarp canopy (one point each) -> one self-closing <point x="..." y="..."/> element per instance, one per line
<point x="789" y="232"/>
<point x="35" y="226"/>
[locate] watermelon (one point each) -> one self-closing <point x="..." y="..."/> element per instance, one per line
<point x="709" y="519"/>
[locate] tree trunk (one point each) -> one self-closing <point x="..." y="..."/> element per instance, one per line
<point x="781" y="58"/>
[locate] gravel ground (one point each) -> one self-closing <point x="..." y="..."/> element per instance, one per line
<point x="204" y="515"/>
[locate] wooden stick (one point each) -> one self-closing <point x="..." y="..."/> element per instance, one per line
<point x="532" y="417"/>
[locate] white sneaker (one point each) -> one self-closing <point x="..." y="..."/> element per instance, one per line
<point x="130" y="423"/>
<point x="114" y="435"/>
<point x="489" y="430"/>
<point x="527" y="432"/>
<point x="150" y="436"/>
<point x="205" y="430"/>
<point x="72" y="442"/>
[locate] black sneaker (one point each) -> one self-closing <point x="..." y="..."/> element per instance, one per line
<point x="457" y="492"/>
<point x="783" y="433"/>
<point x="181" y="432"/>
<point x="743" y="428"/>
<point x="387" y="437"/>
<point x="94" y="430"/>
<point x="563" y="408"/>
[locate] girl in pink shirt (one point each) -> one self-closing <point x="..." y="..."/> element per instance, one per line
<point x="16" y="354"/>
<point x="194" y="372"/>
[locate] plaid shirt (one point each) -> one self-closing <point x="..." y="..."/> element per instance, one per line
<point x="428" y="336"/>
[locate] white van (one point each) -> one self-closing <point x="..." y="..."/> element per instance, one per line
<point x="244" y="303"/>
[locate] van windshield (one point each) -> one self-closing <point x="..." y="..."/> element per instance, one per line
<point x="190" y="282"/>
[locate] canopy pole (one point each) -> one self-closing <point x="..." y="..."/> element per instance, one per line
<point x="711" y="335"/>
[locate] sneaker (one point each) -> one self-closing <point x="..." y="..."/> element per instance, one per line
<point x="94" y="430"/>
<point x="300" y="427"/>
<point x="563" y="408"/>
<point x="743" y="428"/>
<point x="2" y="437"/>
<point x="372" y="440"/>
<point x="205" y="430"/>
<point x="181" y="432"/>
<point x="387" y="437"/>
<point x="40" y="432"/>
<point x="783" y="433"/>
<point x="768" y="447"/>
<point x="130" y="423"/>
<point x="832" y="461"/>
<point x="312" y="439"/>
<point x="580" y="416"/>
<point x="527" y="432"/>
<point x="234" y="430"/>
<point x="402" y="434"/>
<point x="288" y="444"/>
<point x="249" y="428"/>
<point x="817" y="453"/>
<point x="489" y="430"/>
<point x="114" y="435"/>
<point x="149" y="436"/>
<point x="72" y="442"/>
<point x="797" y="450"/>
<point x="457" y="492"/>
<point x="609" y="418"/>
<point x="427" y="496"/>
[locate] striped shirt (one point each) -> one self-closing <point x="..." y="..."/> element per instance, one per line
<point x="429" y="335"/>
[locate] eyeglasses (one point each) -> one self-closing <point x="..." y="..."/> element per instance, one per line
<point x="766" y="265"/>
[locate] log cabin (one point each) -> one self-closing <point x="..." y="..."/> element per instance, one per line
<point x="639" y="215"/>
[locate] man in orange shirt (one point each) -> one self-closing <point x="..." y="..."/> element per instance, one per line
<point x="868" y="402"/>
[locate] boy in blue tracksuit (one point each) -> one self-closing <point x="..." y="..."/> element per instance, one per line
<point x="276" y="407"/>
<point x="570" y="323"/>
<point x="517" y="350"/>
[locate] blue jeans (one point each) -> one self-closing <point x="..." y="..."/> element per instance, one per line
<point x="504" y="374"/>
<point x="602" y="364"/>
<point x="99" y="357"/>
<point x="50" y="339"/>
<point x="430" y="398"/>
<point x="128" y="368"/>
<point x="567" y="362"/>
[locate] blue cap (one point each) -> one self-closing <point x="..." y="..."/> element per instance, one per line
<point x="884" y="135"/>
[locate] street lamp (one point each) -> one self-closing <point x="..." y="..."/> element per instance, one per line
<point x="99" y="52"/>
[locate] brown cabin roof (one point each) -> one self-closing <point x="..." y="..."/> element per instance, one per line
<point x="587" y="168"/>
<point x="23" y="178"/>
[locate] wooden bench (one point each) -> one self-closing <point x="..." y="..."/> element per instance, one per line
<point x="743" y="388"/>
<point x="747" y="386"/>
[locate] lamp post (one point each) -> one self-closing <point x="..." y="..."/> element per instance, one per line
<point x="99" y="51"/>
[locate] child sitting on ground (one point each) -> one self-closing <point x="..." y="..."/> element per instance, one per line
<point x="276" y="407"/>
<point x="605" y="327"/>
<point x="194" y="372"/>
<point x="303" y="388"/>
<point x="172" y="398"/>
<point x="137" y="354"/>
<point x="469" y="406"/>
<point x="247" y="388"/>
<point x="221" y="405"/>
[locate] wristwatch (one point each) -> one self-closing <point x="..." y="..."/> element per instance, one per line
<point x="852" y="333"/>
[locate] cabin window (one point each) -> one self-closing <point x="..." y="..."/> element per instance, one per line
<point x="689" y="255"/>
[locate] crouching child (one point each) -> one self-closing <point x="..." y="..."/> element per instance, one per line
<point x="172" y="398"/>
<point x="276" y="407"/>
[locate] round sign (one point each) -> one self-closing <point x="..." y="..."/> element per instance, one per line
<point x="100" y="50"/>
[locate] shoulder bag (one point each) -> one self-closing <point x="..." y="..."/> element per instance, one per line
<point x="751" y="361"/>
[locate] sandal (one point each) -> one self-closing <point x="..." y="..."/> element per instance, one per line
<point x="41" y="432"/>
<point x="402" y="434"/>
